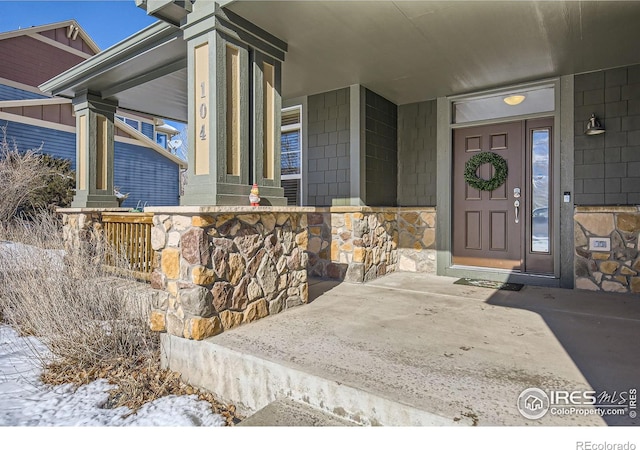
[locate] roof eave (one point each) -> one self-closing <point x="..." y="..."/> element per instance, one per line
<point x="64" y="84"/>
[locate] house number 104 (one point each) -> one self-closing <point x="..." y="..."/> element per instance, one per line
<point x="203" y="111"/>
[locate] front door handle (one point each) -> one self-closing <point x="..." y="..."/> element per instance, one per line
<point x="516" y="204"/>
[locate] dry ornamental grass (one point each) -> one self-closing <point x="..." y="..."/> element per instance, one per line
<point x="92" y="327"/>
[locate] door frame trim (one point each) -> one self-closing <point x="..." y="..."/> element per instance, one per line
<point x="562" y="178"/>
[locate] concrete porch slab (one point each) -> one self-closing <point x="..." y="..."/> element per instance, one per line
<point x="414" y="349"/>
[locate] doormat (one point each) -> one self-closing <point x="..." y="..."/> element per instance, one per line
<point x="489" y="284"/>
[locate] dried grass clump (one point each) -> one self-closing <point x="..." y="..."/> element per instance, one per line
<point x="94" y="326"/>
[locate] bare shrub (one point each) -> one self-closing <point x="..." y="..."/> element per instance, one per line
<point x="68" y="299"/>
<point x="21" y="174"/>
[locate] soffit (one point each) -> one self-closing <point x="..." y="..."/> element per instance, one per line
<point x="410" y="51"/>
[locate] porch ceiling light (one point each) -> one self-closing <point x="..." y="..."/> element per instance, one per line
<point x="514" y="100"/>
<point x="594" y="127"/>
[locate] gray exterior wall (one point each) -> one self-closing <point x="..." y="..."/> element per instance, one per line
<point x="381" y="150"/>
<point x="328" y="147"/>
<point x="417" y="154"/>
<point x="607" y="166"/>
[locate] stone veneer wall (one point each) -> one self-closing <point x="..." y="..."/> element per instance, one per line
<point x="219" y="267"/>
<point x="224" y="266"/>
<point x="417" y="246"/>
<point x="617" y="270"/>
<point x="359" y="244"/>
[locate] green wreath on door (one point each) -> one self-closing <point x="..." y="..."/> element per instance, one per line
<point x="474" y="163"/>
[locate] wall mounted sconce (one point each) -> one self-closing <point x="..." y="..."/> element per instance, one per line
<point x="594" y="127"/>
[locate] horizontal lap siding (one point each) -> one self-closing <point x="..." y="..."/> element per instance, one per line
<point x="145" y="174"/>
<point x="60" y="144"/>
<point x="11" y="93"/>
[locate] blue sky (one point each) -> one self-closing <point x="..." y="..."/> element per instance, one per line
<point x="107" y="22"/>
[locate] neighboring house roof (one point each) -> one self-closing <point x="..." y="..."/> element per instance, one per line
<point x="74" y="30"/>
<point x="57" y="47"/>
<point x="150" y="61"/>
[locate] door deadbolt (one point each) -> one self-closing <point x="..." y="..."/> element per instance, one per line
<point x="516" y="192"/>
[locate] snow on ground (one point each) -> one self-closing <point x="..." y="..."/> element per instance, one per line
<point x="26" y="401"/>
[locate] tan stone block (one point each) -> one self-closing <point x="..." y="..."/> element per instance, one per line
<point x="231" y="319"/>
<point x="389" y="216"/>
<point x="236" y="268"/>
<point x="635" y="284"/>
<point x="337" y="220"/>
<point x="600" y="256"/>
<point x="358" y="254"/>
<point x="181" y="223"/>
<point x="579" y="238"/>
<point x="429" y="237"/>
<point x="282" y="219"/>
<point x="410" y="217"/>
<point x="199" y="328"/>
<point x="346" y="247"/>
<point x="598" y="224"/>
<point x="202" y="221"/>
<point x="586" y="284"/>
<point x="612" y="286"/>
<point x="315" y="244"/>
<point x="428" y="218"/>
<point x="347" y="222"/>
<point x="304" y="292"/>
<point x="158" y="238"/>
<point x="621" y="279"/>
<point x="171" y="263"/>
<point x="302" y="239"/>
<point x="317" y="231"/>
<point x="624" y="270"/>
<point x="636" y="265"/>
<point x="250" y="219"/>
<point x="302" y="222"/>
<point x="256" y="310"/>
<point x="629" y="222"/>
<point x="157" y="321"/>
<point x="335" y="250"/>
<point x="417" y="246"/>
<point x="202" y="276"/>
<point x="358" y="216"/>
<point x="609" y="267"/>
<point x="172" y="288"/>
<point x="268" y="221"/>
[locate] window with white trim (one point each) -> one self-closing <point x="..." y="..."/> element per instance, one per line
<point x="291" y="154"/>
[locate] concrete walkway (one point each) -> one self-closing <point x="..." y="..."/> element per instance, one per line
<point x="414" y="349"/>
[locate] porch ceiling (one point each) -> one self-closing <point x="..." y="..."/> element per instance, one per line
<point x="410" y="51"/>
<point x="406" y="51"/>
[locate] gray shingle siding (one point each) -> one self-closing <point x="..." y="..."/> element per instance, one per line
<point x="417" y="154"/>
<point x="328" y="146"/>
<point x="381" y="150"/>
<point x="606" y="165"/>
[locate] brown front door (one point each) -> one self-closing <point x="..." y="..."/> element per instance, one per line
<point x="486" y="231"/>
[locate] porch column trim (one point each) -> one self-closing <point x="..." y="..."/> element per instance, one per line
<point x="357" y="161"/>
<point x="94" y="151"/>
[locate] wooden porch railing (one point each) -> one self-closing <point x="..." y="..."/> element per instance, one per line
<point x="129" y="234"/>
